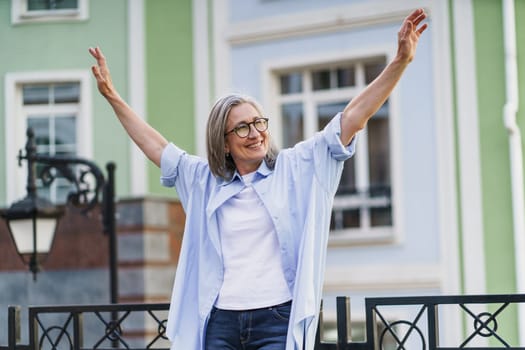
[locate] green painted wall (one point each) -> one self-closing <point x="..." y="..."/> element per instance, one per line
<point x="108" y="29"/>
<point x="5" y="54"/>
<point x="520" y="38"/>
<point x="497" y="205"/>
<point x="495" y="163"/>
<point x="169" y="61"/>
<point x="62" y="45"/>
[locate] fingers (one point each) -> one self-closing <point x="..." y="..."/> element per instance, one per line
<point x="416" y="17"/>
<point x="412" y="22"/>
<point x="422" y="28"/>
<point x="421" y="15"/>
<point x="101" y="71"/>
<point x="415" y="14"/>
<point x="96" y="73"/>
<point x="97" y="54"/>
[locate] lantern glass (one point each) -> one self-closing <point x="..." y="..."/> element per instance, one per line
<point x="22" y="232"/>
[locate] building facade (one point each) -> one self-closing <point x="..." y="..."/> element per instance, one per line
<point x="431" y="204"/>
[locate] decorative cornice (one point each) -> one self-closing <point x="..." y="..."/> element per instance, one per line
<point x="319" y="21"/>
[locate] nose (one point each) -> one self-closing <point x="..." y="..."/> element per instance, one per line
<point x="253" y="131"/>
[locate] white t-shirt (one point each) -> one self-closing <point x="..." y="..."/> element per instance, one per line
<point x="253" y="273"/>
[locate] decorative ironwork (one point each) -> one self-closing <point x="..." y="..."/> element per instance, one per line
<point x="113" y="331"/>
<point x="390" y="328"/>
<point x="480" y="325"/>
<point x="77" y="171"/>
<point x="421" y="331"/>
<point x="485" y="325"/>
<point x="55" y="344"/>
<point x="106" y="330"/>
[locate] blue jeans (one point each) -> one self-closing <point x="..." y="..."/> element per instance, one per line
<point x="258" y="329"/>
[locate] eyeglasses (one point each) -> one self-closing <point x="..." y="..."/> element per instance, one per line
<point x="243" y="129"/>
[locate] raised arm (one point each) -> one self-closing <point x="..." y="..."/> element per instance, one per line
<point x="149" y="140"/>
<point x="365" y="105"/>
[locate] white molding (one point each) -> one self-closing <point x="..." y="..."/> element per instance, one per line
<point x="15" y="127"/>
<point x="382" y="277"/>
<point x="222" y="50"/>
<point x="201" y="72"/>
<point x="137" y="93"/>
<point x="331" y="19"/>
<point x="396" y="153"/>
<point x="446" y="167"/>
<point x="20" y="14"/>
<point x="469" y="152"/>
<point x="444" y="132"/>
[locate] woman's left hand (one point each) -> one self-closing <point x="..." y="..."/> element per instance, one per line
<point x="409" y="33"/>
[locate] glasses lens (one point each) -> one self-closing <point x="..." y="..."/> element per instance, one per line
<point x="242" y="130"/>
<point x="261" y="124"/>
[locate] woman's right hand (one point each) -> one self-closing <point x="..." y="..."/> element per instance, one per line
<point x="149" y="140"/>
<point x="101" y="73"/>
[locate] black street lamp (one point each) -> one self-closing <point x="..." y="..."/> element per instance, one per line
<point x="32" y="221"/>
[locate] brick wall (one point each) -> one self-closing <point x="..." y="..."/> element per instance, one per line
<point x="149" y="235"/>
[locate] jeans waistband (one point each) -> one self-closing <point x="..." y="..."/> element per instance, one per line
<point x="286" y="303"/>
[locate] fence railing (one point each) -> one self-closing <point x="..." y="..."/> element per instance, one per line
<point x="400" y="323"/>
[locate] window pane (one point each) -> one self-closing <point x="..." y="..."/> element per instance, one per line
<point x="65" y="135"/>
<point x="61" y="93"/>
<point x="65" y="130"/>
<point x="36" y="5"/>
<point x="345" y="77"/>
<point x="379" y="165"/>
<point x="381" y="216"/>
<point x="67" y="93"/>
<point x="292" y="123"/>
<point x="351" y="218"/>
<point x="347" y="183"/>
<point x="40" y="126"/>
<point x="321" y="79"/>
<point x="35" y="94"/>
<point x="325" y="112"/>
<point x="347" y="218"/>
<point x="291" y="83"/>
<point x="372" y="70"/>
<point x="379" y="153"/>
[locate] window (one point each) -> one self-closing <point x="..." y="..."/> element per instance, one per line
<point x="48" y="10"/>
<point x="51" y="111"/>
<point x="308" y="98"/>
<point x="55" y="105"/>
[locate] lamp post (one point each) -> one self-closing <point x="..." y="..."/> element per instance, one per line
<point x="32" y="221"/>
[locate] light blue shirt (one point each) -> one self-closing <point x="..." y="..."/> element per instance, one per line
<point x="298" y="194"/>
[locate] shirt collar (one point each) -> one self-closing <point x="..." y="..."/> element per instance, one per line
<point x="262" y="171"/>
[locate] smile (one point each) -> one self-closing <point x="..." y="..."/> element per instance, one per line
<point x="255" y="145"/>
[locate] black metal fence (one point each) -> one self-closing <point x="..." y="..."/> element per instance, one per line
<point x="400" y="323"/>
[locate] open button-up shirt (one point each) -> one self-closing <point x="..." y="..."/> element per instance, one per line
<point x="298" y="194"/>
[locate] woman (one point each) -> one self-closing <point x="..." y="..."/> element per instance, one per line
<point x="251" y="267"/>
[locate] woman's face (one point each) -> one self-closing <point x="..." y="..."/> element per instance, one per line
<point x="248" y="152"/>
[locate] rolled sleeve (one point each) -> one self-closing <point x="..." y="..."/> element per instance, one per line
<point x="332" y="135"/>
<point x="169" y="162"/>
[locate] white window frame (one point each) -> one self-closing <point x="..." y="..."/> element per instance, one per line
<point x="20" y="14"/>
<point x="273" y="99"/>
<point x="15" y="122"/>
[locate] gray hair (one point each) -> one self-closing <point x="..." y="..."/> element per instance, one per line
<point x="221" y="164"/>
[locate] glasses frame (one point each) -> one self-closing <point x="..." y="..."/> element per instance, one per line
<point x="243" y="124"/>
